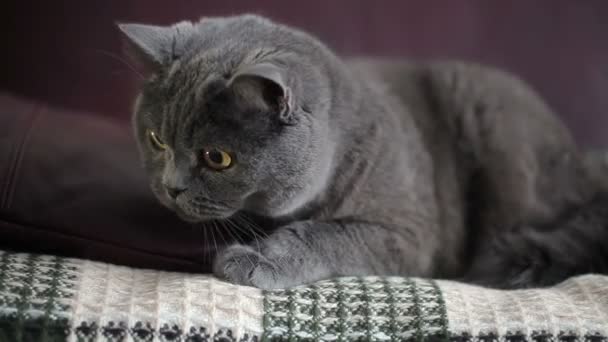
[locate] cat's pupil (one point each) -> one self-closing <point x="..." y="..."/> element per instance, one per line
<point x="216" y="156"/>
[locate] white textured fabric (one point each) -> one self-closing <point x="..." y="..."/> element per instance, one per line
<point x="101" y="302"/>
<point x="578" y="306"/>
<point x="120" y="294"/>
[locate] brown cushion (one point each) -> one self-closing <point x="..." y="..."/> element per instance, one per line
<point x="71" y="184"/>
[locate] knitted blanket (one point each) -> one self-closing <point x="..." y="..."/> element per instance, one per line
<point x="48" y="298"/>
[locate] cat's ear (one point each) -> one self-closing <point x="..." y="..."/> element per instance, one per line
<point x="264" y="85"/>
<point x="153" y="47"/>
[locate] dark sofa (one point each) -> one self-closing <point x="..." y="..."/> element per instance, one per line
<point x="69" y="174"/>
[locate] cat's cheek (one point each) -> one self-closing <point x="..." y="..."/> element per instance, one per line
<point x="164" y="200"/>
<point x="159" y="192"/>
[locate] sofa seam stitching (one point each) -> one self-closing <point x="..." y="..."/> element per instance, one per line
<point x="12" y="185"/>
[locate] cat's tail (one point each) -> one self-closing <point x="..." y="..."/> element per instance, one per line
<point x="576" y="243"/>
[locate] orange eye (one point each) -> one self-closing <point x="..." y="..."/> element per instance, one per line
<point x="217" y="159"/>
<point x="156" y="142"/>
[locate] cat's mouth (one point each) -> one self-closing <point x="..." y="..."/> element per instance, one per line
<point x="197" y="210"/>
<point x="186" y="217"/>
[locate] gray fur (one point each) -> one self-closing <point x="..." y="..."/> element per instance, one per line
<point x="373" y="167"/>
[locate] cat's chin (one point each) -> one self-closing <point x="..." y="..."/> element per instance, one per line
<point x="203" y="217"/>
<point x="187" y="218"/>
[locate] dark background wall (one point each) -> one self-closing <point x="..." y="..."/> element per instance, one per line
<point x="65" y="52"/>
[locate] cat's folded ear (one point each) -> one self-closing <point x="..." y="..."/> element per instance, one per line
<point x="152" y="47"/>
<point x="264" y="86"/>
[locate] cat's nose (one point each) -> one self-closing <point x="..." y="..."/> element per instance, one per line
<point x="174" y="192"/>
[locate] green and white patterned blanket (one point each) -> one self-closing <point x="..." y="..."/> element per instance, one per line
<point x="47" y="298"/>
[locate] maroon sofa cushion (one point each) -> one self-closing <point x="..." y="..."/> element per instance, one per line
<point x="71" y="184"/>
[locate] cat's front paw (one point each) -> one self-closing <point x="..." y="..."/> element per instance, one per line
<point x="244" y="265"/>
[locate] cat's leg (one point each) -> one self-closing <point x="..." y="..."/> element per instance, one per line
<point x="529" y="168"/>
<point x="532" y="257"/>
<point x="528" y="171"/>
<point x="307" y="251"/>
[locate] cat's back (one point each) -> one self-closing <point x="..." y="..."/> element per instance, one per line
<point x="418" y="83"/>
<point x="395" y="77"/>
<point x="441" y="95"/>
<point x="402" y="80"/>
<point x="411" y="84"/>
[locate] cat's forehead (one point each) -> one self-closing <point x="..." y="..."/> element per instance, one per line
<point x="198" y="101"/>
<point x="206" y="62"/>
<point x="201" y="76"/>
<point x="220" y="45"/>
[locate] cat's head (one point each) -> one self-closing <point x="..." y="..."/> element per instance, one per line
<point x="233" y="116"/>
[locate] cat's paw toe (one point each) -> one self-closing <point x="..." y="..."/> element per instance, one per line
<point x="243" y="265"/>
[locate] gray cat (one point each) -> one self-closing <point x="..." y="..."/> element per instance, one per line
<point x="372" y="167"/>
